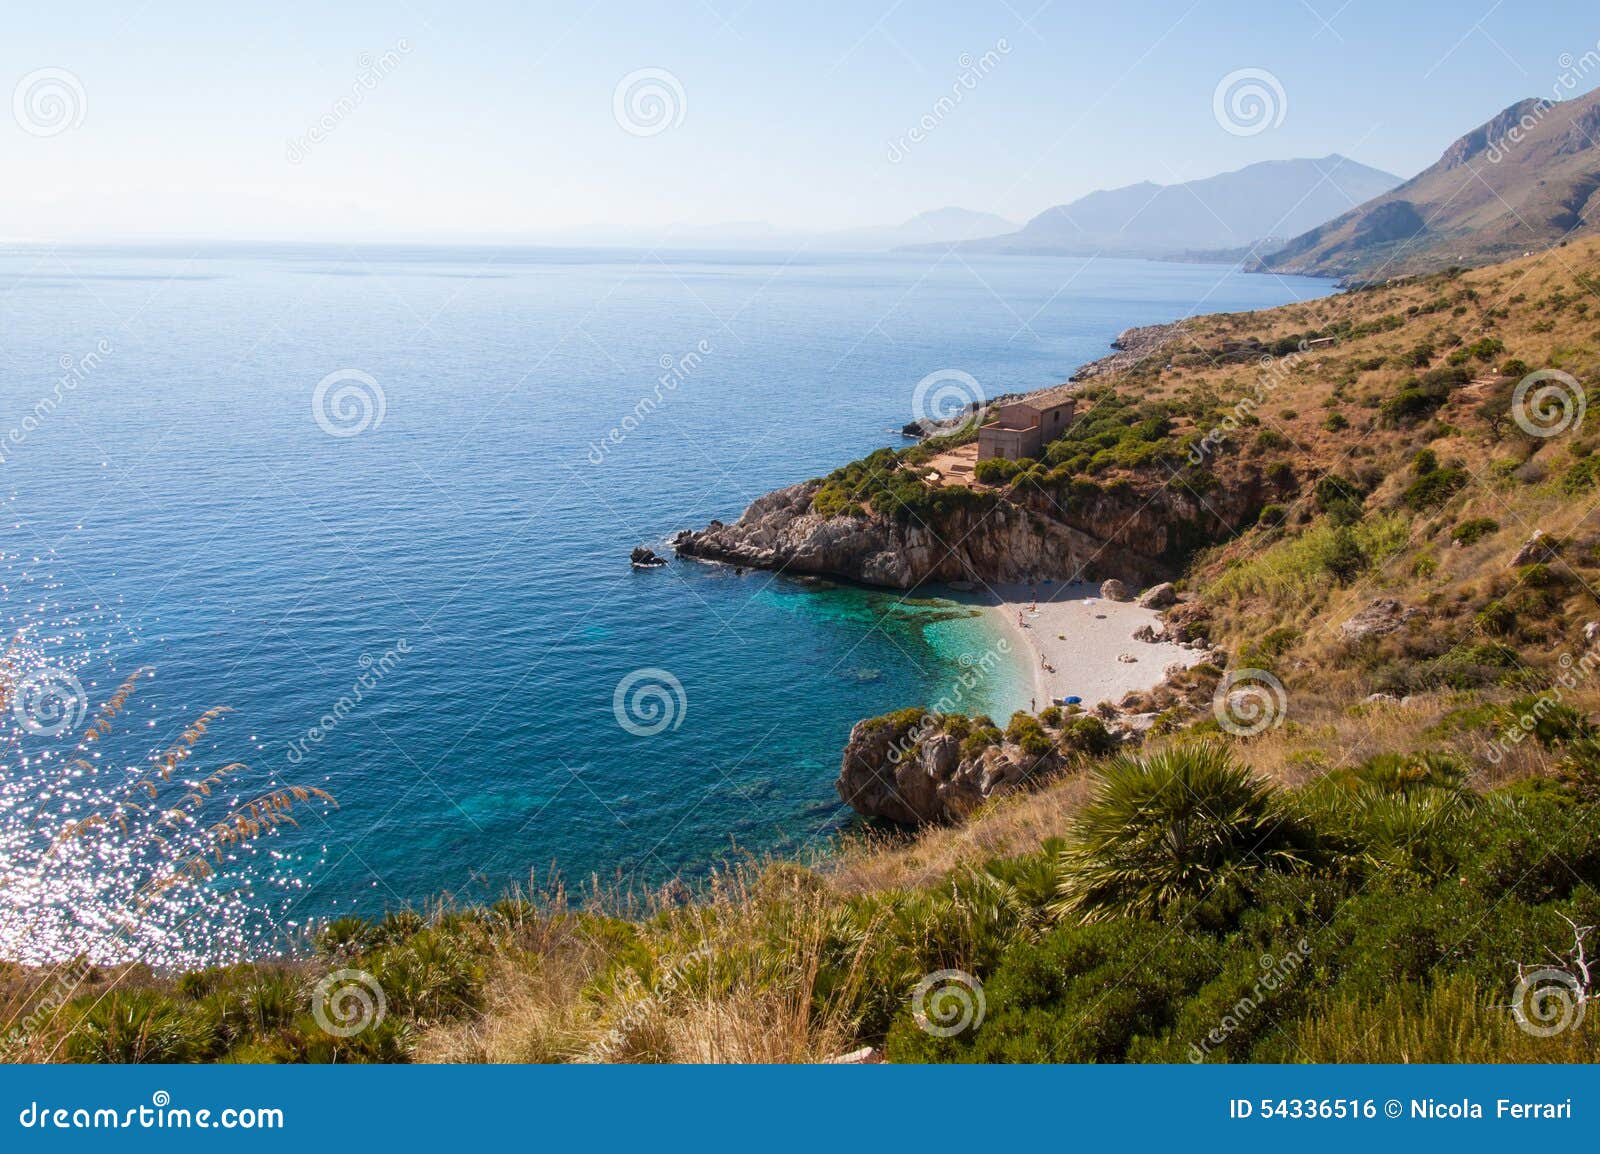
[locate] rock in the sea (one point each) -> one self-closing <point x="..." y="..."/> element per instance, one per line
<point x="1114" y="590"/>
<point x="1158" y="596"/>
<point x="912" y="777"/>
<point x="1382" y="616"/>
<point x="643" y="558"/>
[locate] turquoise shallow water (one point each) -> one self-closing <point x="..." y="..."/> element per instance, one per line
<point x="180" y="507"/>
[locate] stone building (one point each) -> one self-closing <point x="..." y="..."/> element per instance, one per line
<point x="1022" y="428"/>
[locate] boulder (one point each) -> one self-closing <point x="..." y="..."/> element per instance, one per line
<point x="1158" y="596"/>
<point x="1381" y="617"/>
<point x="1381" y="699"/>
<point x="1114" y="590"/>
<point x="1591" y="633"/>
<point x="1149" y="633"/>
<point x="865" y="1056"/>
<point x="916" y="778"/>
<point x="644" y="558"/>
<point x="1537" y="548"/>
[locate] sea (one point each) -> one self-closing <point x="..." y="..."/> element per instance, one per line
<point x="366" y="514"/>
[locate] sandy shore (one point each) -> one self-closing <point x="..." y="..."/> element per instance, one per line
<point x="1082" y="636"/>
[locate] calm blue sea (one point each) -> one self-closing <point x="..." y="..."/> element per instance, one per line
<point x="180" y="506"/>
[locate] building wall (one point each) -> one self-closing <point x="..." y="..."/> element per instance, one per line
<point x="995" y="441"/>
<point x="1023" y="430"/>
<point x="1054" y="420"/>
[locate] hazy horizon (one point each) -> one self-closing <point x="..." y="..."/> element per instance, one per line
<point x="494" y="123"/>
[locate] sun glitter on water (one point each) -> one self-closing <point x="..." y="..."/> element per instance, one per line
<point x="111" y="850"/>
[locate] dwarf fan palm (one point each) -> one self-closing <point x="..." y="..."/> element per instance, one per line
<point x="1173" y="826"/>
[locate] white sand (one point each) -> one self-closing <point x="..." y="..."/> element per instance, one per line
<point x="1082" y="635"/>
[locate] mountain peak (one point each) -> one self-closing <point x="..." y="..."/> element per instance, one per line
<point x="1527" y="177"/>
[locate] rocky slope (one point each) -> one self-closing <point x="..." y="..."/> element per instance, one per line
<point x="1525" y="179"/>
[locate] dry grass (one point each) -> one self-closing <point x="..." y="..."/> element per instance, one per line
<point x="1005" y="827"/>
<point x="731" y="980"/>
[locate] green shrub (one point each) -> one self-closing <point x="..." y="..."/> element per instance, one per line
<point x="137" y="1027"/>
<point x="1434" y="488"/>
<point x="1472" y="531"/>
<point x="1082" y="994"/>
<point x="1174" y="827"/>
<point x="1088" y="734"/>
<point x="996" y="470"/>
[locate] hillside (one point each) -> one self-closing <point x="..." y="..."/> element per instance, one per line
<point x="1524" y="180"/>
<point x="1233" y="210"/>
<point x="1359" y="832"/>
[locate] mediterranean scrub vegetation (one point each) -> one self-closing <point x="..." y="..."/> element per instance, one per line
<point x="1185" y="910"/>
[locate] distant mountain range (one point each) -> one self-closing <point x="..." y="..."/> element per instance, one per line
<point x="1526" y="179"/>
<point x="1253" y="208"/>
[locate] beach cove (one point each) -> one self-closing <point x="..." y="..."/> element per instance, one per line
<point x="1079" y="643"/>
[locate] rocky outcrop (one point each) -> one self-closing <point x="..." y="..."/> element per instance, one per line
<point x="1540" y="548"/>
<point x="1188" y="622"/>
<point x="1114" y="590"/>
<point x="1010" y="538"/>
<point x="1133" y="346"/>
<point x="1381" y="617"/>
<point x="911" y="778"/>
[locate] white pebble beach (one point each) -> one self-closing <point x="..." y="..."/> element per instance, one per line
<point x="1083" y="636"/>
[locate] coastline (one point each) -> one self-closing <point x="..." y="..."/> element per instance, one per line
<point x="1083" y="636"/>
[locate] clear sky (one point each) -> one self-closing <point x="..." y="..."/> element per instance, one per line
<point x="483" y="119"/>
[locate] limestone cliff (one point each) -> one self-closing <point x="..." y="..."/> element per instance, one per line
<point x="1137" y="537"/>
